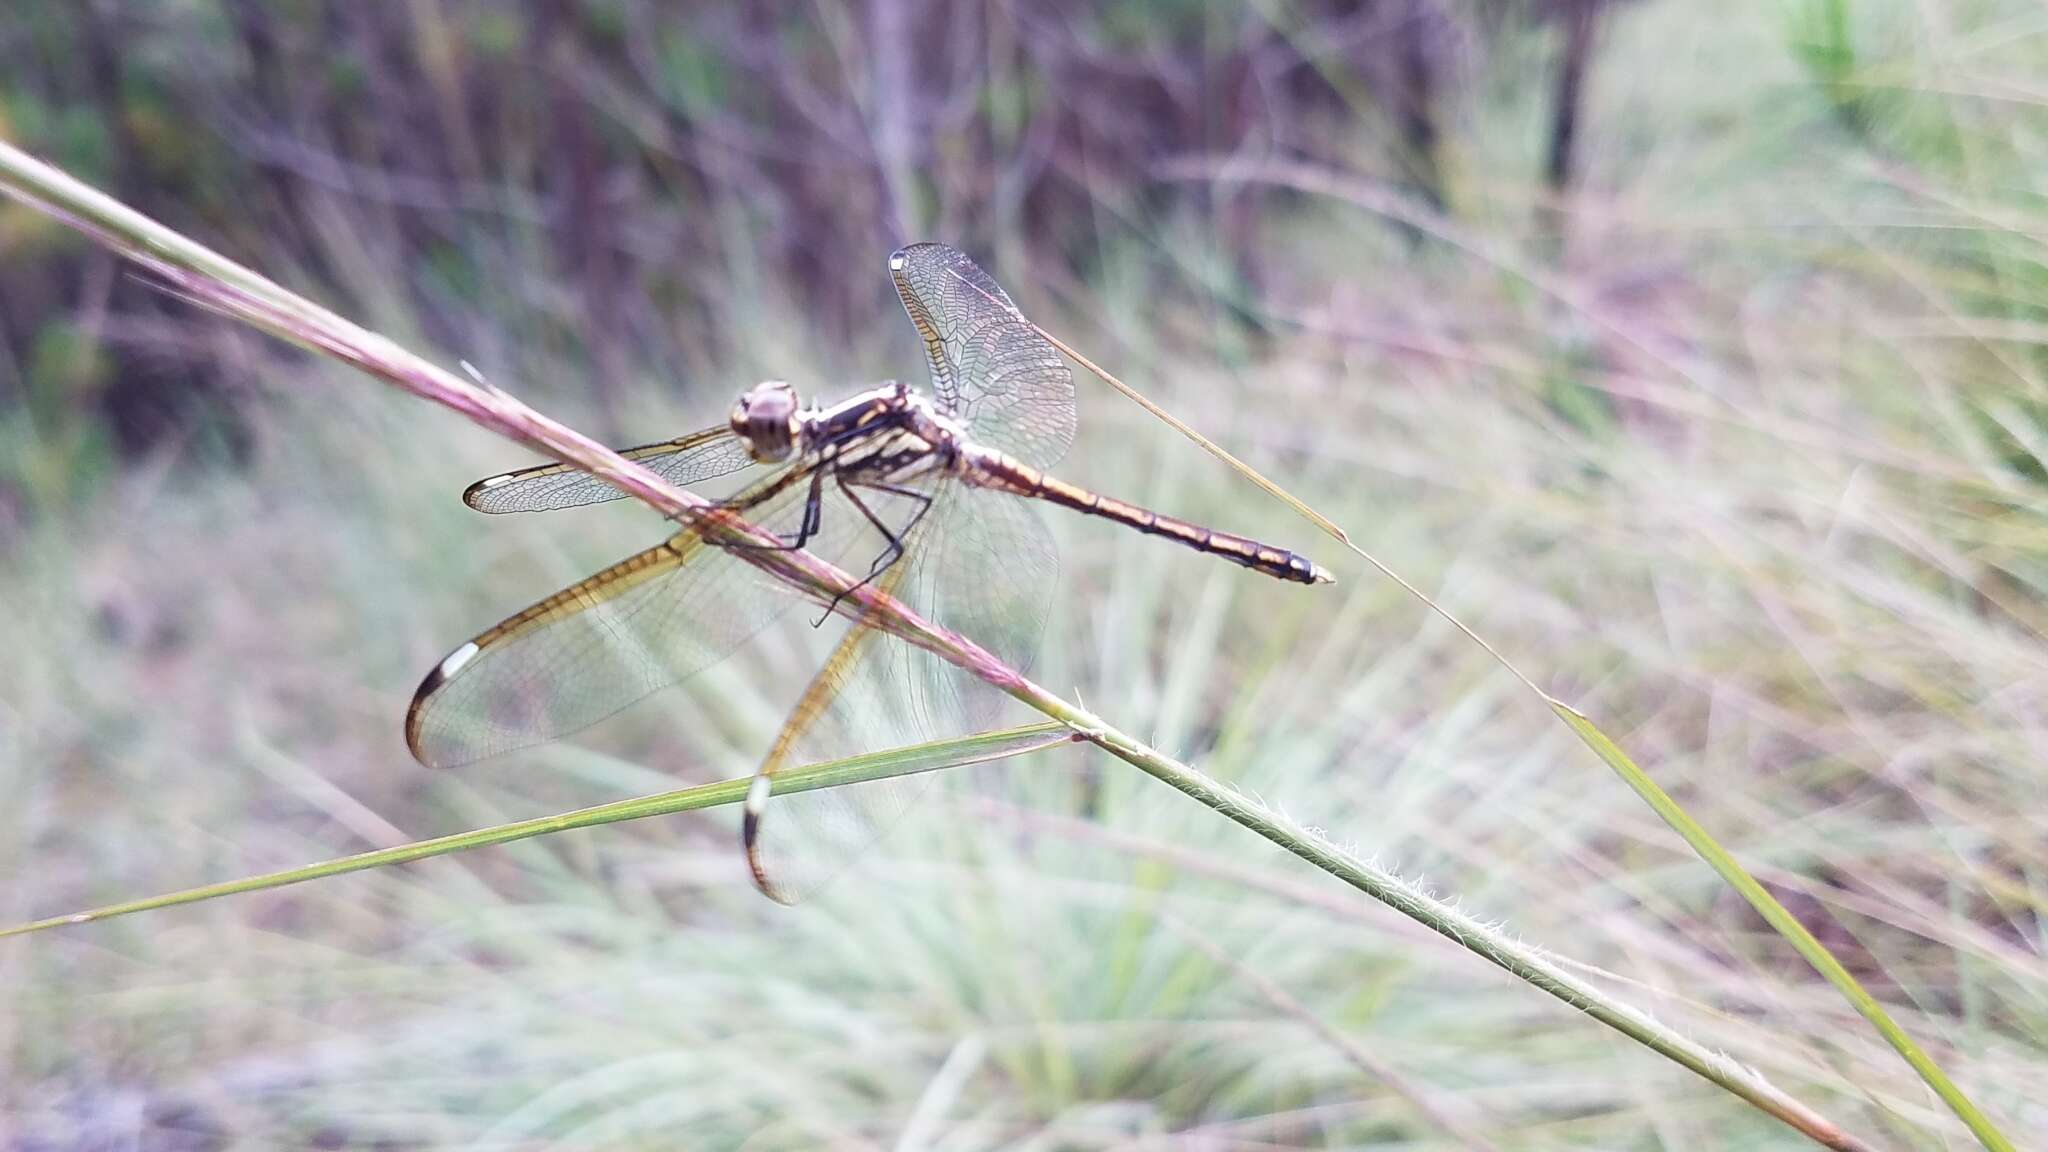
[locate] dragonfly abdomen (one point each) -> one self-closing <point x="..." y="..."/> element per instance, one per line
<point x="994" y="470"/>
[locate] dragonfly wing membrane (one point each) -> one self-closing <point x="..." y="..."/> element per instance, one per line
<point x="603" y="643"/>
<point x="988" y="365"/>
<point x="683" y="461"/>
<point x="984" y="564"/>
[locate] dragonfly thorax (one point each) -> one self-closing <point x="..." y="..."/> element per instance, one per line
<point x="939" y="429"/>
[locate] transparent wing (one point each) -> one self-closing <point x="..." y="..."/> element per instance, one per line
<point x="683" y="461"/>
<point x="981" y="564"/>
<point x="989" y="367"/>
<point x="595" y="647"/>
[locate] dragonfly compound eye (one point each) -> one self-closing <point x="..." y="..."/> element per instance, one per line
<point x="767" y="418"/>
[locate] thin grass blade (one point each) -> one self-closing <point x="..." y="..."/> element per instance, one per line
<point x="1784" y="922"/>
<point x="916" y="758"/>
<point x="1300" y="506"/>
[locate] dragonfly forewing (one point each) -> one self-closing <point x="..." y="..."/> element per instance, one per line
<point x="988" y="367"/>
<point x="684" y="461"/>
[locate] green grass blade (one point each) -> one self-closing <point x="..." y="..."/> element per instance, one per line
<point x="1300" y="506"/>
<point x="929" y="757"/>
<point x="1488" y="941"/>
<point x="1784" y="922"/>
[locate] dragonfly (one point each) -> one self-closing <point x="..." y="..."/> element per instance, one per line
<point x="941" y="491"/>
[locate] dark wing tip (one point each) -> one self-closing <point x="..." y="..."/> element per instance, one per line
<point x="413" y="720"/>
<point x="750" y="839"/>
<point x="904" y="255"/>
<point x="416" y="712"/>
<point x="474" y="494"/>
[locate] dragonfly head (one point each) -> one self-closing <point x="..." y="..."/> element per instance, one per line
<point x="768" y="417"/>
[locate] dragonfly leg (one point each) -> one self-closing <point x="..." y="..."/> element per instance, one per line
<point x="808" y="527"/>
<point x="894" y="552"/>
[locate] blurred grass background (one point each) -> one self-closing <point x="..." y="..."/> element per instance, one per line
<point x="1694" y="357"/>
